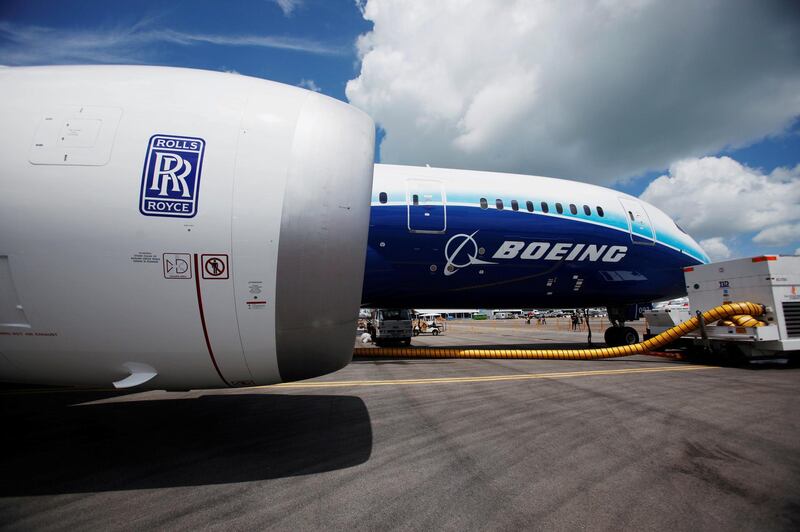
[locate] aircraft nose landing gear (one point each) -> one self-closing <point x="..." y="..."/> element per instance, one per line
<point x="618" y="334"/>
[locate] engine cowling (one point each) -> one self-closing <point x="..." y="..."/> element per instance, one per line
<point x="176" y="228"/>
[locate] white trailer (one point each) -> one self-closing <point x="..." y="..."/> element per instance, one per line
<point x="771" y="280"/>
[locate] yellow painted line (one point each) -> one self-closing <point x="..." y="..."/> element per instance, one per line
<point x="488" y="378"/>
<point x="398" y="382"/>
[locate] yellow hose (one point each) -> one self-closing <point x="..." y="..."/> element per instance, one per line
<point x="741" y="320"/>
<point x="670" y="335"/>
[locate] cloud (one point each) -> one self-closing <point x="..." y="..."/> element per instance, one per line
<point x="778" y="235"/>
<point x="713" y="197"/>
<point x="716" y="248"/>
<point x="598" y="91"/>
<point x="31" y="45"/>
<point x="309" y="84"/>
<point x="288" y="6"/>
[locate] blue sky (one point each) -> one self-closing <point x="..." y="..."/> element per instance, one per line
<point x="711" y="119"/>
<point x="322" y="32"/>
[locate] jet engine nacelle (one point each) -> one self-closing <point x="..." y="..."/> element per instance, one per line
<point x="177" y="228"/>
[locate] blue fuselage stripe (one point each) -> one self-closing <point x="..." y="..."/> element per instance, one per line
<point x="549" y="261"/>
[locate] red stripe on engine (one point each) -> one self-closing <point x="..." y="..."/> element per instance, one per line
<point x="203" y="320"/>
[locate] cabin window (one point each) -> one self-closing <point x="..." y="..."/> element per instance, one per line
<point x="600" y="212"/>
<point x="587" y="210"/>
<point x="382" y="197"/>
<point x="529" y="205"/>
<point x="573" y="209"/>
<point x="559" y="208"/>
<point x="415" y="199"/>
<point x="484" y="203"/>
<point x="514" y="205"/>
<point x="499" y="204"/>
<point x="545" y="208"/>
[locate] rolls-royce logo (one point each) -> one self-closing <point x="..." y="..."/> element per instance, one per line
<point x="171" y="176"/>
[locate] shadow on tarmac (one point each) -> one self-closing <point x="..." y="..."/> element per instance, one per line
<point x="56" y="445"/>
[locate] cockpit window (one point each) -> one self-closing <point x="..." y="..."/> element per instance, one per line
<point x="680" y="228"/>
<point x="631" y="215"/>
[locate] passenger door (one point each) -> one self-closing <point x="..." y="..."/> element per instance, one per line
<point x="638" y="222"/>
<point x="426" y="203"/>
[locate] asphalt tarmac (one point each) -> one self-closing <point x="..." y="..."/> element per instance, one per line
<point x="636" y="443"/>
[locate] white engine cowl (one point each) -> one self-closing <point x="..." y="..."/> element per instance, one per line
<point x="177" y="228"/>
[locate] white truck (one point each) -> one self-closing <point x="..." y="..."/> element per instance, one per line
<point x="390" y="325"/>
<point x="771" y="280"/>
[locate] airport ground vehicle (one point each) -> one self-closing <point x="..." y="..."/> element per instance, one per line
<point x="771" y="280"/>
<point x="390" y="325"/>
<point x="429" y="324"/>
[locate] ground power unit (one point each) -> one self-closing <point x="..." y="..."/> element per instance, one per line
<point x="770" y="280"/>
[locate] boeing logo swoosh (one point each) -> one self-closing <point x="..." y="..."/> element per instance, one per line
<point x="457" y="244"/>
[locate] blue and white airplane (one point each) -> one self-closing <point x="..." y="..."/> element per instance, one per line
<point x="459" y="238"/>
<point x="153" y="234"/>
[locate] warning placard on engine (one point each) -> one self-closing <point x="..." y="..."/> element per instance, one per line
<point x="177" y="265"/>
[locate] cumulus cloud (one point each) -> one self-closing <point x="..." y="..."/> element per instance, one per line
<point x="778" y="235"/>
<point x="592" y="90"/>
<point x="33" y="45"/>
<point x="716" y="248"/>
<point x="718" y="197"/>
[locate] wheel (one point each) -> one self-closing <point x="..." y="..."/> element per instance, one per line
<point x="436" y="332"/>
<point x="612" y="336"/>
<point x="406" y="342"/>
<point x="628" y="336"/>
<point x="617" y="336"/>
<point x="416" y="331"/>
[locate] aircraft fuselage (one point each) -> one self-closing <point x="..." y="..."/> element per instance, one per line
<point x="469" y="239"/>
